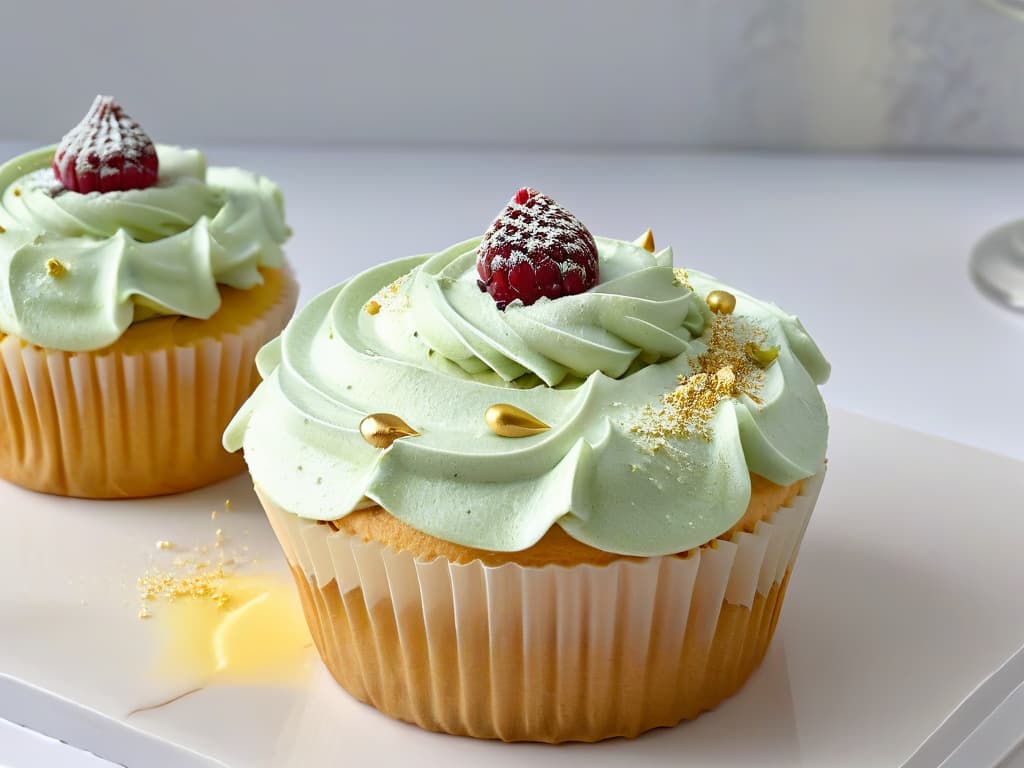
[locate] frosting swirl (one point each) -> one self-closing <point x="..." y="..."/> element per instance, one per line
<point x="411" y="337"/>
<point x="124" y="256"/>
<point x="635" y="313"/>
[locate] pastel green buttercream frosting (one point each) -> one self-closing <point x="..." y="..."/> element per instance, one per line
<point x="126" y="256"/>
<point x="438" y="353"/>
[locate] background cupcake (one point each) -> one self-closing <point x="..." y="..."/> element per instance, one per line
<point x="136" y="286"/>
<point x="539" y="486"/>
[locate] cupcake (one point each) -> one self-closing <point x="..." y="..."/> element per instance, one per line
<point x="540" y="485"/>
<point x="136" y="286"/>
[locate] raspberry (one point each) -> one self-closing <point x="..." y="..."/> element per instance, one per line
<point x="535" y="248"/>
<point x="106" y="152"/>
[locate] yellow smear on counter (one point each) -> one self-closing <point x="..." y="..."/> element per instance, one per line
<point x="258" y="635"/>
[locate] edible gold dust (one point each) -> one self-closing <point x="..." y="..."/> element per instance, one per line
<point x="724" y="371"/>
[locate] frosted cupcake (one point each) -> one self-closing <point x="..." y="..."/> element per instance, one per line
<point x="136" y="286"/>
<point x="540" y="485"/>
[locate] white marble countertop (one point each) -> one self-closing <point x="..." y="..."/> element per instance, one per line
<point x="870" y="251"/>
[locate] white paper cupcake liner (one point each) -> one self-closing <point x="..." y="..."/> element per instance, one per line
<point x="110" y="424"/>
<point x="544" y="653"/>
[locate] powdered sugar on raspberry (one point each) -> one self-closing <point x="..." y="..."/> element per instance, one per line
<point x="107" y="151"/>
<point x="536" y="231"/>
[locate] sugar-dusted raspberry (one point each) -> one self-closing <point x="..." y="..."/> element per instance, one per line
<point x="106" y="152"/>
<point x="535" y="248"/>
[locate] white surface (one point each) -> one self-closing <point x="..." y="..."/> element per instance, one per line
<point x="902" y="600"/>
<point x="99" y="738"/>
<point x="966" y="737"/>
<point x="871" y="252"/>
<point x="22" y="748"/>
<point x="762" y="73"/>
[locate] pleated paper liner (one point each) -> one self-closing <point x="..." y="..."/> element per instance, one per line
<point x="543" y="653"/>
<point x="143" y="417"/>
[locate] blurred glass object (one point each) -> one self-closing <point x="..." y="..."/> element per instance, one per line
<point x="997" y="262"/>
<point x="997" y="265"/>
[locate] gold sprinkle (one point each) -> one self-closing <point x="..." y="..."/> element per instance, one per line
<point x="227" y="505"/>
<point x="144" y="613"/>
<point x="646" y="241"/>
<point x="752" y="396"/>
<point x="163" y="544"/>
<point x="762" y="356"/>
<point x="2" y="230"/>
<point x="721" y="302"/>
<point x="382" y="429"/>
<point x="725" y="370"/>
<point x="54" y="268"/>
<point x="682" y="278"/>
<point x="390" y="297"/>
<point x="17" y="192"/>
<point x="213" y="514"/>
<point x="203" y="584"/>
<point x="725" y="381"/>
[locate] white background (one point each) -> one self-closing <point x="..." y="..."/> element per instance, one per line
<point x="554" y="73"/>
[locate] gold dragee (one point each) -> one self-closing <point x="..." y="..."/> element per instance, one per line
<point x="721" y="302"/>
<point x="508" y="421"/>
<point x="382" y="429"/>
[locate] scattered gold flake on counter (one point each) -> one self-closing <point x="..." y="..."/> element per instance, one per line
<point x="197" y="583"/>
<point x="725" y="370"/>
<point x="54" y="268"/>
<point x="227" y="508"/>
<point x="192" y="574"/>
